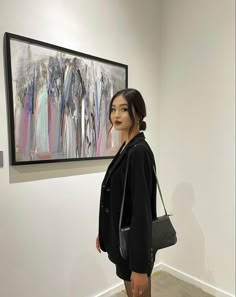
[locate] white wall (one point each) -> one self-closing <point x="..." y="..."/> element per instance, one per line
<point x="48" y="213"/>
<point x="197" y="134"/>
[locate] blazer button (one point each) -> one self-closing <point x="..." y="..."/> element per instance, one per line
<point x="107" y="210"/>
<point x="108" y="189"/>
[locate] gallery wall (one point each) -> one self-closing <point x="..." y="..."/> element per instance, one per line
<point x="197" y="139"/>
<point x="49" y="212"/>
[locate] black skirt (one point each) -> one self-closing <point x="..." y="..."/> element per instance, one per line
<point x="123" y="271"/>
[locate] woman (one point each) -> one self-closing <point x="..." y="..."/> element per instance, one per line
<point x="127" y="111"/>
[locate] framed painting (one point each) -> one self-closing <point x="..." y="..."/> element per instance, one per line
<point x="59" y="102"/>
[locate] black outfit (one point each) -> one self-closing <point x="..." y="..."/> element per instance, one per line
<point x="139" y="207"/>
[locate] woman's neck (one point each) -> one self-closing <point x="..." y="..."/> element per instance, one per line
<point x="126" y="136"/>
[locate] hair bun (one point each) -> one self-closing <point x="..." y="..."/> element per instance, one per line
<point x="142" y="125"/>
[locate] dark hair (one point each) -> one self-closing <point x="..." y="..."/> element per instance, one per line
<point x="134" y="100"/>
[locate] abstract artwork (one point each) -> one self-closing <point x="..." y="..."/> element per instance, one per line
<point x="59" y="102"/>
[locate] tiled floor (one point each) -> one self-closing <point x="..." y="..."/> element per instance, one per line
<point x="166" y="285"/>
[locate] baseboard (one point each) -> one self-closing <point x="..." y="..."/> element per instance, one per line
<point x="111" y="291"/>
<point x="119" y="287"/>
<point x="194" y="281"/>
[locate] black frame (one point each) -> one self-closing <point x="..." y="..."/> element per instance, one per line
<point x="9" y="85"/>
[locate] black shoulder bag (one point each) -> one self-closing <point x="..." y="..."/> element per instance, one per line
<point x="163" y="232"/>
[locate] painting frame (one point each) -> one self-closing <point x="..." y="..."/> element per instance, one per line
<point x="86" y="83"/>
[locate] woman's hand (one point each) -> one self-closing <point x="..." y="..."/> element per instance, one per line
<point x="98" y="245"/>
<point x="139" y="283"/>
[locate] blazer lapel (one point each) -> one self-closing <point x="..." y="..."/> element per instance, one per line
<point x="120" y="155"/>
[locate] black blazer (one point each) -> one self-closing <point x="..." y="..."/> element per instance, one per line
<point x="139" y="207"/>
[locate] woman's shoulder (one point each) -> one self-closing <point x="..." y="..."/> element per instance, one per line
<point x="141" y="157"/>
<point x="142" y="146"/>
<point x="141" y="149"/>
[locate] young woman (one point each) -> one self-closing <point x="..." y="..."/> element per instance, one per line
<point x="127" y="111"/>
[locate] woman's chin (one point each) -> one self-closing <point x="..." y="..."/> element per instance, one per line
<point x="117" y="127"/>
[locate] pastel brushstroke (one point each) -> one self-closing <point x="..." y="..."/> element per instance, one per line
<point x="41" y="123"/>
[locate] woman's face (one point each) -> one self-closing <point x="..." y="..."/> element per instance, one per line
<point x="119" y="114"/>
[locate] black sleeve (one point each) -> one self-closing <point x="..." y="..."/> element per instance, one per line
<point x="140" y="181"/>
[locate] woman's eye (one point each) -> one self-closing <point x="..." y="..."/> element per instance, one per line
<point x="124" y="109"/>
<point x="113" y="109"/>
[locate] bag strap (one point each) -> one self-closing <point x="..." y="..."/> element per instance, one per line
<point x="159" y="189"/>
<point x="125" y="182"/>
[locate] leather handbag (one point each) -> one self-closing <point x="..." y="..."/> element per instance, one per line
<point x="163" y="232"/>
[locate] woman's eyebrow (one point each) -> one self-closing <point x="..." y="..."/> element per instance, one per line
<point x="123" y="104"/>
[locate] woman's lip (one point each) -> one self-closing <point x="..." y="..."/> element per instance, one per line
<point x="117" y="122"/>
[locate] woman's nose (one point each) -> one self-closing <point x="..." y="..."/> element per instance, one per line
<point x="117" y="113"/>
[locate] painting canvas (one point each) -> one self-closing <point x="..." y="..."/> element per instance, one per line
<point x="59" y="102"/>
